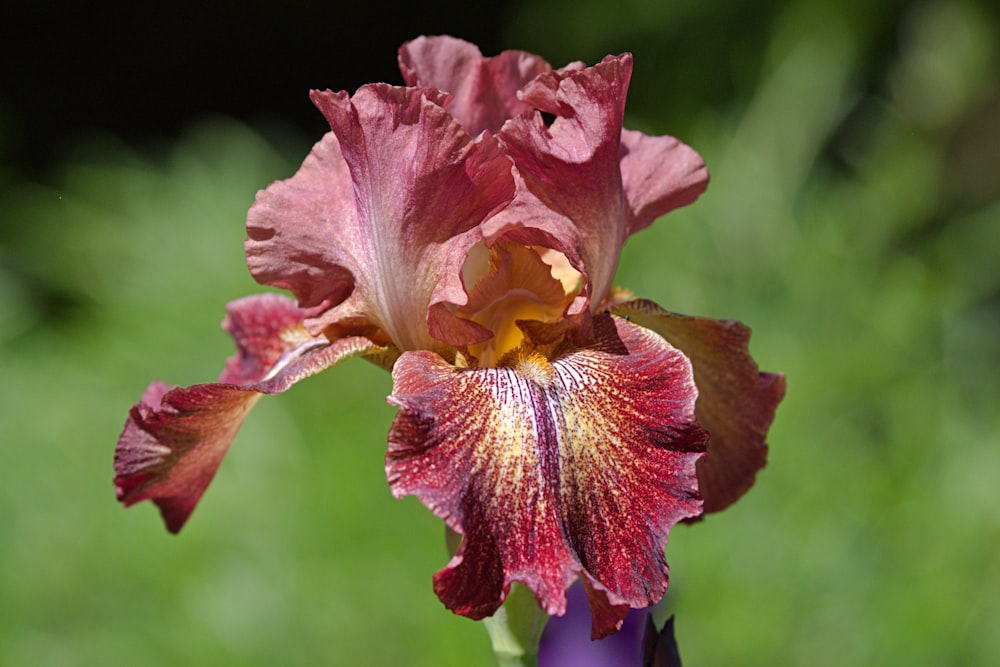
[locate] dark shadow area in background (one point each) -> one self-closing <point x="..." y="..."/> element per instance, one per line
<point x="144" y="70"/>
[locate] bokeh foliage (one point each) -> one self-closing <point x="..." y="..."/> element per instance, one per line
<point x="853" y="221"/>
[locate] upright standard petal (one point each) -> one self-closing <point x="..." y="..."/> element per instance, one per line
<point x="484" y="90"/>
<point x="571" y="169"/>
<point x="373" y="229"/>
<point x="175" y="437"/>
<point x="659" y="174"/>
<point x="736" y="402"/>
<point x="584" y="183"/>
<point x="553" y="470"/>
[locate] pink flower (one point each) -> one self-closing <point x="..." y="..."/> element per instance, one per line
<point x="446" y="231"/>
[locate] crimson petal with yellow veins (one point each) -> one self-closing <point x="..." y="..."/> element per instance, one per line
<point x="553" y="470"/>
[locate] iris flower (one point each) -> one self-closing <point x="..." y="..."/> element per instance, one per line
<point x="463" y="232"/>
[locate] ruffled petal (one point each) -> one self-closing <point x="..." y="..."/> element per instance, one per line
<point x="175" y="437"/>
<point x="736" y="402"/>
<point x="553" y="470"/>
<point x="571" y="168"/>
<point x="484" y="90"/>
<point x="373" y="229"/>
<point x="659" y="174"/>
<point x="301" y="231"/>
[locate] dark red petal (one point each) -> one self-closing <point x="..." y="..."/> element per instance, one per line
<point x="607" y="609"/>
<point x="170" y="453"/>
<point x="176" y="437"/>
<point x="736" y="402"/>
<point x="552" y="470"/>
<point x="484" y="90"/>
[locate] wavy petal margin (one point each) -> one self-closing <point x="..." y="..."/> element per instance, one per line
<point x="736" y="402"/>
<point x="578" y="467"/>
<point x="373" y="229"/>
<point x="484" y="90"/>
<point x="175" y="437"/>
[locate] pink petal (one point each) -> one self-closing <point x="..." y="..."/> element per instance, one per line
<point x="659" y="174"/>
<point x="736" y="402"/>
<point x="300" y="230"/>
<point x="578" y="467"/>
<point x="373" y="229"/>
<point x="584" y="183"/>
<point x="175" y="438"/>
<point x="570" y="170"/>
<point x="484" y="89"/>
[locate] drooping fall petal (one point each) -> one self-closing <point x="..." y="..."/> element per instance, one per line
<point x="552" y="470"/>
<point x="484" y="89"/>
<point x="736" y="402"/>
<point x="373" y="229"/>
<point x="175" y="437"/>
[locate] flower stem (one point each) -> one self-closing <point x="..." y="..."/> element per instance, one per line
<point x="516" y="629"/>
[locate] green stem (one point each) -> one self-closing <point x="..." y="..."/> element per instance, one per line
<point x="516" y="629"/>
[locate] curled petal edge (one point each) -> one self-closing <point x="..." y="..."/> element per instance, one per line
<point x="484" y="89"/>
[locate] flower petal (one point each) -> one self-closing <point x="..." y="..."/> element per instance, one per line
<point x="571" y="168"/>
<point x="169" y="451"/>
<point x="736" y="402"/>
<point x="484" y="89"/>
<point x="175" y="437"/>
<point x="373" y="229"/>
<point x="300" y="230"/>
<point x="552" y="470"/>
<point x="659" y="174"/>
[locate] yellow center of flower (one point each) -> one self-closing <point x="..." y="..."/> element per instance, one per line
<point x="512" y="283"/>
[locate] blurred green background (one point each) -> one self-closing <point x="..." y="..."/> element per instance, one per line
<point x="853" y="221"/>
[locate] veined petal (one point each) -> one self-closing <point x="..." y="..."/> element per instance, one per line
<point x="170" y="449"/>
<point x="373" y="229"/>
<point x="484" y="90"/>
<point x="578" y="467"/>
<point x="659" y="174"/>
<point x="175" y="437"/>
<point x="736" y="402"/>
